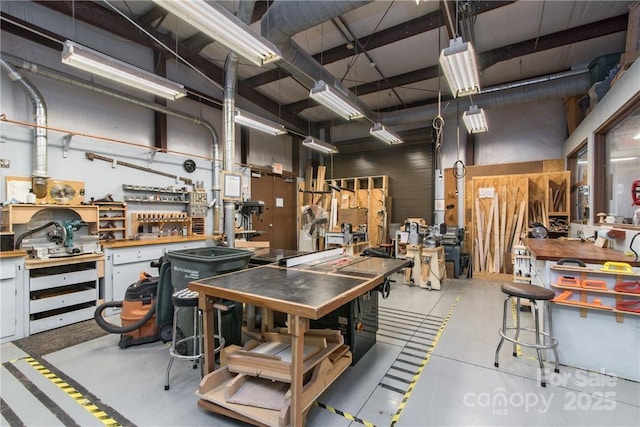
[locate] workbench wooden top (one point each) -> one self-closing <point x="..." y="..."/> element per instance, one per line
<point x="310" y="292"/>
<point x="555" y="249"/>
<point x="13" y="254"/>
<point x="159" y="241"/>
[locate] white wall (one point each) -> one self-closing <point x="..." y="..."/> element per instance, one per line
<point x="620" y="94"/>
<point x="114" y="123"/>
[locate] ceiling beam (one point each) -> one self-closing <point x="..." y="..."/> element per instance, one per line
<point x="491" y="57"/>
<point x="413" y="27"/>
<point x="107" y="20"/>
<point x="155" y="13"/>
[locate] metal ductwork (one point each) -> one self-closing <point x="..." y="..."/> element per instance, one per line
<point x="285" y="18"/>
<point x="39" y="174"/>
<point x="245" y="11"/>
<point x="556" y="86"/>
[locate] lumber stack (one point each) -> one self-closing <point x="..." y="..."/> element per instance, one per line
<point x="503" y="208"/>
<point x="499" y="213"/>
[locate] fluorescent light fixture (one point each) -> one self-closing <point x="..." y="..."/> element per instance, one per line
<point x="475" y="120"/>
<point x="221" y="25"/>
<point x="258" y="123"/>
<point x="380" y="132"/>
<point x="623" y="159"/>
<point x="105" y="66"/>
<point x="316" y="144"/>
<point x="637" y="136"/>
<point x="458" y="63"/>
<point x="335" y="101"/>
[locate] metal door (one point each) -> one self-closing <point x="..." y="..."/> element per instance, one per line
<point x="277" y="224"/>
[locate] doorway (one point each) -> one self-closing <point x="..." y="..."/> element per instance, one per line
<point x="277" y="224"/>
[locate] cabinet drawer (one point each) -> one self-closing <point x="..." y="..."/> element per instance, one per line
<point x="137" y="255"/>
<point x="63" y="319"/>
<point x="62" y="279"/>
<point x="8" y="271"/>
<point x="79" y="295"/>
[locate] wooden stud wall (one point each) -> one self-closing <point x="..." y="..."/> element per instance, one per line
<point x="370" y="192"/>
<point x="502" y="209"/>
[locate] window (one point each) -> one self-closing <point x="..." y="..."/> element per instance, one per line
<point x="579" y="166"/>
<point x="622" y="166"/>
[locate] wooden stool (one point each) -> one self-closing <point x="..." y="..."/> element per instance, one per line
<point x="544" y="340"/>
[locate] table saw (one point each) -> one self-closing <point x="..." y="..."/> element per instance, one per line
<point x="307" y="288"/>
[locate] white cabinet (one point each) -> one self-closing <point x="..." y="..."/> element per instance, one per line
<point x="124" y="264"/>
<point x="61" y="291"/>
<point x="11" y="297"/>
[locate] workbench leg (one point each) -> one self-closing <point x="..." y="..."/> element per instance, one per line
<point x="205" y="303"/>
<point x="297" y="327"/>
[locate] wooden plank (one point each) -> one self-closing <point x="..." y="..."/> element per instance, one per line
<point x="496" y="236"/>
<point x="517" y="236"/>
<point x="479" y="240"/>
<point x="487" y="234"/>
<point x="308" y="185"/>
<point x="503" y="227"/>
<point x="258" y="392"/>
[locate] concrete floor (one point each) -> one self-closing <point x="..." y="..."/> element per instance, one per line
<point x="442" y="342"/>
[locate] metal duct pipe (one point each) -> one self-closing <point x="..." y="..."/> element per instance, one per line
<point x="285" y="18"/>
<point x="229" y="129"/>
<point x="245" y="11"/>
<point x="39" y="174"/>
<point x="559" y="85"/>
<point x="66" y="78"/>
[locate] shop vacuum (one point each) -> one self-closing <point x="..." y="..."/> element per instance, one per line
<point x="147" y="309"/>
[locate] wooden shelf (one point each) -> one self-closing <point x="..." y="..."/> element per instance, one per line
<point x="612" y="310"/>
<point x="115" y="213"/>
<point x="609" y="292"/>
<point x="587" y="270"/>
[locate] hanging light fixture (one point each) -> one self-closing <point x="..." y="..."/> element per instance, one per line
<point x="458" y="63"/>
<point x="475" y="120"/>
<point x="379" y="131"/>
<point x="318" y="145"/>
<point x="221" y="25"/>
<point x="256" y="122"/>
<point x="105" y="66"/>
<point x="335" y="101"/>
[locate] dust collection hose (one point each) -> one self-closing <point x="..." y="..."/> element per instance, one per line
<point x="115" y="329"/>
<point x="40" y="228"/>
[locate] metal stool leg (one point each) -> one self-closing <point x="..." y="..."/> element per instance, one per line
<point x="503" y="331"/>
<point x="534" y="309"/>
<point x="517" y="335"/>
<point x="173" y="344"/>
<point x="555" y="351"/>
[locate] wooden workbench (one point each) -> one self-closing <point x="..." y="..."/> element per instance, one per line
<point x="307" y="291"/>
<point x="555" y="249"/>
<point x="591" y="339"/>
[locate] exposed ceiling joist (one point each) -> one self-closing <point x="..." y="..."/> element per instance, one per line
<point x="413" y="27"/>
<point x="492" y="57"/>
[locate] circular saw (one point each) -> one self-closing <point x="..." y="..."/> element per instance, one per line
<point x="62" y="193"/>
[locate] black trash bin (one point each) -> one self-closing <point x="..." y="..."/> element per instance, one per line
<point x="194" y="264"/>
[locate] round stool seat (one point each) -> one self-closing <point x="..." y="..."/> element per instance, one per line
<point x="524" y="290"/>
<point x="185" y="298"/>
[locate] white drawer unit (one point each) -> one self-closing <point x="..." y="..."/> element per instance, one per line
<point x="11" y="298"/>
<point x="63" y="293"/>
<point x="124" y="265"/>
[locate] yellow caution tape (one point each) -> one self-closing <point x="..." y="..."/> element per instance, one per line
<point x="344" y="414"/>
<point x="102" y="416"/>
<point x="424" y="362"/>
